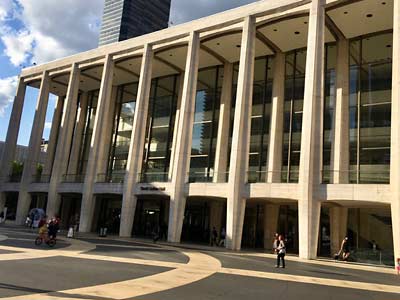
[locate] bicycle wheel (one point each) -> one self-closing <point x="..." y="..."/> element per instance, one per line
<point x="51" y="243"/>
<point x="38" y="241"/>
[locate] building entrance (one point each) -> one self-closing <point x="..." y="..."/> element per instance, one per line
<point x="70" y="210"/>
<point x="108" y="213"/>
<point x="201" y="216"/>
<point x="151" y="217"/>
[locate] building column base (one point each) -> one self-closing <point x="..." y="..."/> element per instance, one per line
<point x="127" y="215"/>
<point x="176" y="215"/>
<point x="309" y="219"/>
<point x="24" y="202"/>
<point x="234" y="223"/>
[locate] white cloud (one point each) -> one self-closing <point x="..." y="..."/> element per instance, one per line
<point x="5" y="7"/>
<point x="17" y="45"/>
<point x="52" y="29"/>
<point x="7" y="92"/>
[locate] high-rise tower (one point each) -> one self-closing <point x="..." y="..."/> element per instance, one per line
<point x="125" y="19"/>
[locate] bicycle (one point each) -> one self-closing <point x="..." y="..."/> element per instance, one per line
<point x="50" y="241"/>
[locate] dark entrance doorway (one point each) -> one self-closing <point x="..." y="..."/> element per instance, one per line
<point x="288" y="225"/>
<point x="151" y="216"/>
<point x="253" y="226"/>
<point x="38" y="200"/>
<point x="11" y="204"/>
<point x="70" y="210"/>
<point x="108" y="213"/>
<point x="201" y="215"/>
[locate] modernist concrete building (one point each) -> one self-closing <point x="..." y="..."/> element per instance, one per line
<point x="125" y="19"/>
<point x="275" y="116"/>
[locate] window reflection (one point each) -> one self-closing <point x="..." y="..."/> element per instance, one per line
<point x="370" y="108"/>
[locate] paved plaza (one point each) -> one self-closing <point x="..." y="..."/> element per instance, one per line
<point x="89" y="267"/>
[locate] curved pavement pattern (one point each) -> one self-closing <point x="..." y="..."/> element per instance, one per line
<point x="199" y="266"/>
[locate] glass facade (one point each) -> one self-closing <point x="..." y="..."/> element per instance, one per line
<point x="293" y="114"/>
<point x="87" y="132"/>
<point x="125" y="110"/>
<point x="160" y="129"/>
<point x="329" y="110"/>
<point x="370" y="108"/>
<point x="205" y="126"/>
<point x="260" y="119"/>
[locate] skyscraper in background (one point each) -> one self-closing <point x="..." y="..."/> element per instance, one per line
<point x="125" y="19"/>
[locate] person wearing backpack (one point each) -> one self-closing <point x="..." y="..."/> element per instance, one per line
<point x="281" y="251"/>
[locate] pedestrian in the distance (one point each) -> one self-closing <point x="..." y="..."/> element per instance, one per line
<point x="222" y="238"/>
<point x="281" y="251"/>
<point x="275" y="243"/>
<point x="345" y="249"/>
<point x="398" y="266"/>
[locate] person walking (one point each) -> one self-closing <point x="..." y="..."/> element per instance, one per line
<point x="222" y="237"/>
<point x="345" y="249"/>
<point x="275" y="243"/>
<point x="281" y="251"/>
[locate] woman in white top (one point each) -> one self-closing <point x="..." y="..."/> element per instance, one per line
<point x="281" y="251"/>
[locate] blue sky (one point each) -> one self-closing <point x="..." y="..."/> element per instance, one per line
<point x="38" y="31"/>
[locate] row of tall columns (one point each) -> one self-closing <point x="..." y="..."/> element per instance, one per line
<point x="138" y="136"/>
<point x="183" y="144"/>
<point x="395" y="131"/>
<point x="33" y="149"/>
<point x="236" y="203"/>
<point x="309" y="207"/>
<point x="64" y="141"/>
<point x="98" y="143"/>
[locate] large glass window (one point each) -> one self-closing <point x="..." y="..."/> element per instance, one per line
<point x="160" y="125"/>
<point x="87" y="134"/>
<point x="293" y="114"/>
<point x="260" y="119"/>
<point x="329" y="110"/>
<point x="126" y="102"/>
<point x="370" y="108"/>
<point x="205" y="126"/>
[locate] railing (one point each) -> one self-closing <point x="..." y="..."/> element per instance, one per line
<point x="41" y="178"/>
<point x="111" y="178"/>
<point x="357" y="176"/>
<point x="73" y="178"/>
<point x="14" y="178"/>
<point x="371" y="256"/>
<point x="146" y="177"/>
<point x="204" y="176"/>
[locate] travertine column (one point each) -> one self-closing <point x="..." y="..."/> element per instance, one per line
<point x="12" y="131"/>
<point x="221" y="151"/>
<point x="177" y="115"/>
<point x="183" y="143"/>
<point x="395" y="132"/>
<point x="311" y="138"/>
<point x="276" y="132"/>
<point x="138" y="136"/>
<point x="103" y="110"/>
<point x="35" y="140"/>
<point x="338" y="227"/>
<point x="64" y="141"/>
<point x="341" y="128"/>
<point x="236" y="203"/>
<point x="77" y="139"/>
<point x="54" y="131"/>
<point x="271" y="216"/>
